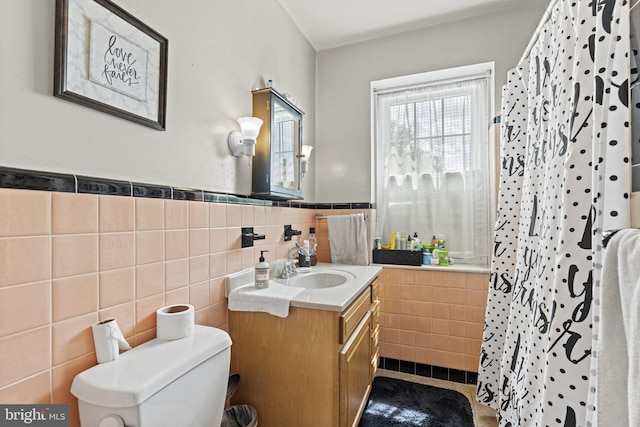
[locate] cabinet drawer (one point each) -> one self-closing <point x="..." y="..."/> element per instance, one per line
<point x="375" y="335"/>
<point x="375" y="360"/>
<point x="355" y="373"/>
<point x="352" y="315"/>
<point x="375" y="312"/>
<point x="375" y="290"/>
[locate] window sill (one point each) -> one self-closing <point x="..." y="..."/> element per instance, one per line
<point x="457" y="268"/>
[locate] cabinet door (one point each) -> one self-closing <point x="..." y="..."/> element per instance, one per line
<point x="286" y="143"/>
<point x="355" y="374"/>
<point x="277" y="172"/>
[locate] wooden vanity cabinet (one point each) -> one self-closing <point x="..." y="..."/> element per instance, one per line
<point x="355" y="373"/>
<point x="313" y="368"/>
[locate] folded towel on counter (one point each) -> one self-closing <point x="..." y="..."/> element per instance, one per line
<point x="274" y="299"/>
<point x="348" y="239"/>
<point x="618" y="353"/>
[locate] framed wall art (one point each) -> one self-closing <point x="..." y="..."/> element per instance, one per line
<point x="107" y="59"/>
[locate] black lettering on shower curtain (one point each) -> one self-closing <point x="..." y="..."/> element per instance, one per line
<point x="500" y="282"/>
<point x="585" y="243"/>
<point x="484" y="392"/>
<point x="570" y="418"/>
<point x="496" y="242"/>
<point x="574" y="113"/>
<point x="583" y="308"/>
<point x="607" y="7"/>
<point x="534" y="214"/>
<point x="517" y="367"/>
<point x="577" y="348"/>
<point x="513" y="165"/>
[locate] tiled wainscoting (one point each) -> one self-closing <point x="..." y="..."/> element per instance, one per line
<point x="68" y="260"/>
<point x="432" y="321"/>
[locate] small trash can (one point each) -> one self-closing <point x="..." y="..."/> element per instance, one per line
<point x="240" y="416"/>
<point x="232" y="385"/>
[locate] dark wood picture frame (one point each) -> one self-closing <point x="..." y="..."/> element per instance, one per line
<point x="156" y="116"/>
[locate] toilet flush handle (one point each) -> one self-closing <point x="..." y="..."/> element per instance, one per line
<point x="112" y="421"/>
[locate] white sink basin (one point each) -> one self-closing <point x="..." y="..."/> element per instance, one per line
<point x="319" y="279"/>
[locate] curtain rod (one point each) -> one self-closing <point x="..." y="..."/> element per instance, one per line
<point x="534" y="37"/>
<point x="432" y="83"/>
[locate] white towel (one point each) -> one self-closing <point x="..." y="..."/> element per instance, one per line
<point x="618" y="357"/>
<point x="274" y="299"/>
<point x="348" y="239"/>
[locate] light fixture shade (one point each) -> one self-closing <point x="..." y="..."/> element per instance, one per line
<point x="250" y="127"/>
<point x="243" y="143"/>
<point x="306" y="151"/>
<point x="305" y="154"/>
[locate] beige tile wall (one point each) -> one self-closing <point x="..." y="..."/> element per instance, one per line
<point x="433" y="317"/>
<point x="437" y="317"/>
<point x="70" y="260"/>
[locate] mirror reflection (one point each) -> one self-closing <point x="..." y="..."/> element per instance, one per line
<point x="284" y="150"/>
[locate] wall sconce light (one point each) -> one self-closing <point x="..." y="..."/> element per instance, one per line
<point x="306" y="153"/>
<point x="243" y="142"/>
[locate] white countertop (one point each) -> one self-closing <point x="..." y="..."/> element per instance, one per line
<point x="335" y="298"/>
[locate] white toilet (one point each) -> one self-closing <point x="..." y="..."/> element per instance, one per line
<point x="181" y="383"/>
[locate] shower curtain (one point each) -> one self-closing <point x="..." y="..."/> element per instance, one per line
<point x="565" y="148"/>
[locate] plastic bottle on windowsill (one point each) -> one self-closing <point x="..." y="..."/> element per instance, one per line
<point x="417" y="245"/>
<point x="435" y="260"/>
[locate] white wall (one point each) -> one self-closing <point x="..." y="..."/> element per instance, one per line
<point x="218" y="51"/>
<point x="343" y="151"/>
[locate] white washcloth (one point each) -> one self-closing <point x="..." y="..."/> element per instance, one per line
<point x="618" y="357"/>
<point x="274" y="299"/>
<point x="348" y="239"/>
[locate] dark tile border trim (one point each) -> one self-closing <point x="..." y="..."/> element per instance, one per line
<point x="151" y="191"/>
<point x="188" y="194"/>
<point x="90" y="185"/>
<point x="32" y="180"/>
<point x="68" y="183"/>
<point x="324" y="206"/>
<point x="428" y="371"/>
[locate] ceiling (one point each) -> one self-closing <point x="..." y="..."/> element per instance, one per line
<point x="332" y="23"/>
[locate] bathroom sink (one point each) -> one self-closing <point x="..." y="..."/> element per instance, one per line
<point x="321" y="279"/>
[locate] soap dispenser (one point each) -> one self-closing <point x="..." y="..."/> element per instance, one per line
<point x="262" y="272"/>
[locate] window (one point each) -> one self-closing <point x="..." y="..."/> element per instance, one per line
<point x="432" y="158"/>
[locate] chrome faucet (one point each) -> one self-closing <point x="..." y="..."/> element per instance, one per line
<point x="289" y="269"/>
<point x="304" y="251"/>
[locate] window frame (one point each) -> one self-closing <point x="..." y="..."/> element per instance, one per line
<point x="486" y="69"/>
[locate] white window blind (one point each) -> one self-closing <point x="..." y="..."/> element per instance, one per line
<point x="432" y="163"/>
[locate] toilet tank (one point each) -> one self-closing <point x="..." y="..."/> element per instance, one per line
<point x="180" y="383"/>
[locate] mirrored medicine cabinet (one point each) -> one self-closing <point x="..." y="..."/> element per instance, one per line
<point x="277" y="172"/>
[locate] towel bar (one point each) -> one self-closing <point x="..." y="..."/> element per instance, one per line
<point x="321" y="216"/>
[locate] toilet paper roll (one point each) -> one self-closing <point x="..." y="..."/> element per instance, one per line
<point x="108" y="340"/>
<point x="175" y="321"/>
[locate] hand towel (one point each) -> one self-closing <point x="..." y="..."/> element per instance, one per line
<point x="274" y="300"/>
<point x="618" y="355"/>
<point x="348" y="239"/>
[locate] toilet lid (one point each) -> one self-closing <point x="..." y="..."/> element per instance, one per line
<point x="141" y="372"/>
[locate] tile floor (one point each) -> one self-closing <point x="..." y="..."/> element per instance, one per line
<point x="483" y="416"/>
